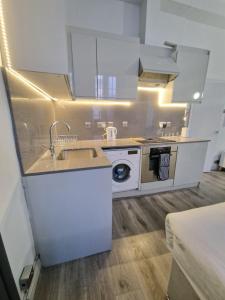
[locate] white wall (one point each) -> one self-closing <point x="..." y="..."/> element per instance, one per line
<point x="37" y="35"/>
<point x="207" y="119"/>
<point x="14" y="223"/>
<point x="143" y="20"/>
<point x="131" y="19"/>
<point x="217" y="6"/>
<point x="104" y="15"/>
<point x="162" y="26"/>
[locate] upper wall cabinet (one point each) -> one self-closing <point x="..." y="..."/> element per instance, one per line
<point x="117" y="68"/>
<point x="84" y="64"/>
<point x="189" y="85"/>
<point x="104" y="65"/>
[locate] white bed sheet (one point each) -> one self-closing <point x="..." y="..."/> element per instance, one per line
<point x="196" y="239"/>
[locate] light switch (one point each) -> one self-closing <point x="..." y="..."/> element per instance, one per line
<point x="125" y="124"/>
<point x="101" y="124"/>
<point x="162" y="124"/>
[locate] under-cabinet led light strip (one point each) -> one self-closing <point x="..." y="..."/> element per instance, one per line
<point x="4" y="36"/>
<point x="161" y="92"/>
<point x="8" y="58"/>
<point x="99" y="102"/>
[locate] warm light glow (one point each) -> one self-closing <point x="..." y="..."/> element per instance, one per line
<point x="162" y="104"/>
<point x="4" y="36"/>
<point x="9" y="63"/>
<point x="161" y="92"/>
<point x="100" y="102"/>
<point x="152" y="89"/>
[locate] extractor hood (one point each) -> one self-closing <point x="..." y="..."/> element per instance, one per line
<point x="157" y="65"/>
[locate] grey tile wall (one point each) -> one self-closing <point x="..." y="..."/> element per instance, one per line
<point x="143" y="117"/>
<point x="32" y="116"/>
<point x="32" y="119"/>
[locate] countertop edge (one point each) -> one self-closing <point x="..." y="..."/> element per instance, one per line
<point x="66" y="170"/>
<point x="187" y="142"/>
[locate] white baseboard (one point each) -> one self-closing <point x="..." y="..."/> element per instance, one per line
<point x="152" y="191"/>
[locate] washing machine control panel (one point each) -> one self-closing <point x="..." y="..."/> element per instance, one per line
<point x="132" y="152"/>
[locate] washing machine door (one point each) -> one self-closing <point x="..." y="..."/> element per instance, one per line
<point x="121" y="171"/>
<point x="122" y="175"/>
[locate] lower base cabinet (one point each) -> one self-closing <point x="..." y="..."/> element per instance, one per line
<point x="71" y="213"/>
<point x="190" y="163"/>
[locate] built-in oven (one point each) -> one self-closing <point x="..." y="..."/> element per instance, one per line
<point x="158" y="163"/>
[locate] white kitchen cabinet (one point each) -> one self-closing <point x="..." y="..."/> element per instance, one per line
<point x="84" y="64"/>
<point x="190" y="163"/>
<point x="104" y="65"/>
<point x="117" y="62"/>
<point x="71" y="213"/>
<point x="189" y="86"/>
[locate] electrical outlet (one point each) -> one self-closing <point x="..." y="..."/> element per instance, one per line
<point x="26" y="277"/>
<point x="101" y="124"/>
<point x="87" y="124"/>
<point x="162" y="124"/>
<point x="168" y="124"/>
<point x="125" y="123"/>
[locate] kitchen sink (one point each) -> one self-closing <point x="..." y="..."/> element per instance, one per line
<point x="78" y="154"/>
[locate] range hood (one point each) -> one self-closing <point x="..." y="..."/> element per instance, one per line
<point x="157" y="65"/>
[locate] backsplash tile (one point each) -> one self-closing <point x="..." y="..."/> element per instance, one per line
<point x="143" y="117"/>
<point x="32" y="116"/>
<point x="32" y="120"/>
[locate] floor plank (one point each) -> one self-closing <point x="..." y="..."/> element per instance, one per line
<point x="138" y="266"/>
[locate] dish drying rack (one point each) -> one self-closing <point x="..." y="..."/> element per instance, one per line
<point x="66" y="139"/>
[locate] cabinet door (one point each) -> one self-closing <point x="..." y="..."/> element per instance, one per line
<point x="84" y="64"/>
<point x="190" y="163"/>
<point x="117" y="63"/>
<point x="193" y="65"/>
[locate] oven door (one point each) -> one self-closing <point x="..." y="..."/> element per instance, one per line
<point x="147" y="175"/>
<point x="150" y="163"/>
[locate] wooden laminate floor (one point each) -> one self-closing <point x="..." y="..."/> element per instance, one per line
<point x="138" y="266"/>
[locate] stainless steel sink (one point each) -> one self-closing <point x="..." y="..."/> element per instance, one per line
<point x="78" y="154"/>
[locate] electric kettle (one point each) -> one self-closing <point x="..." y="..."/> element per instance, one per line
<point x="111" y="133"/>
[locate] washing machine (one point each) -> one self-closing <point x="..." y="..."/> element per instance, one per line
<point x="125" y="168"/>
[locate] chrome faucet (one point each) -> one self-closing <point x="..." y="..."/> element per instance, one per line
<point x="52" y="145"/>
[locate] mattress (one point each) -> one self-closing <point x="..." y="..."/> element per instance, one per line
<point x="196" y="239"/>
